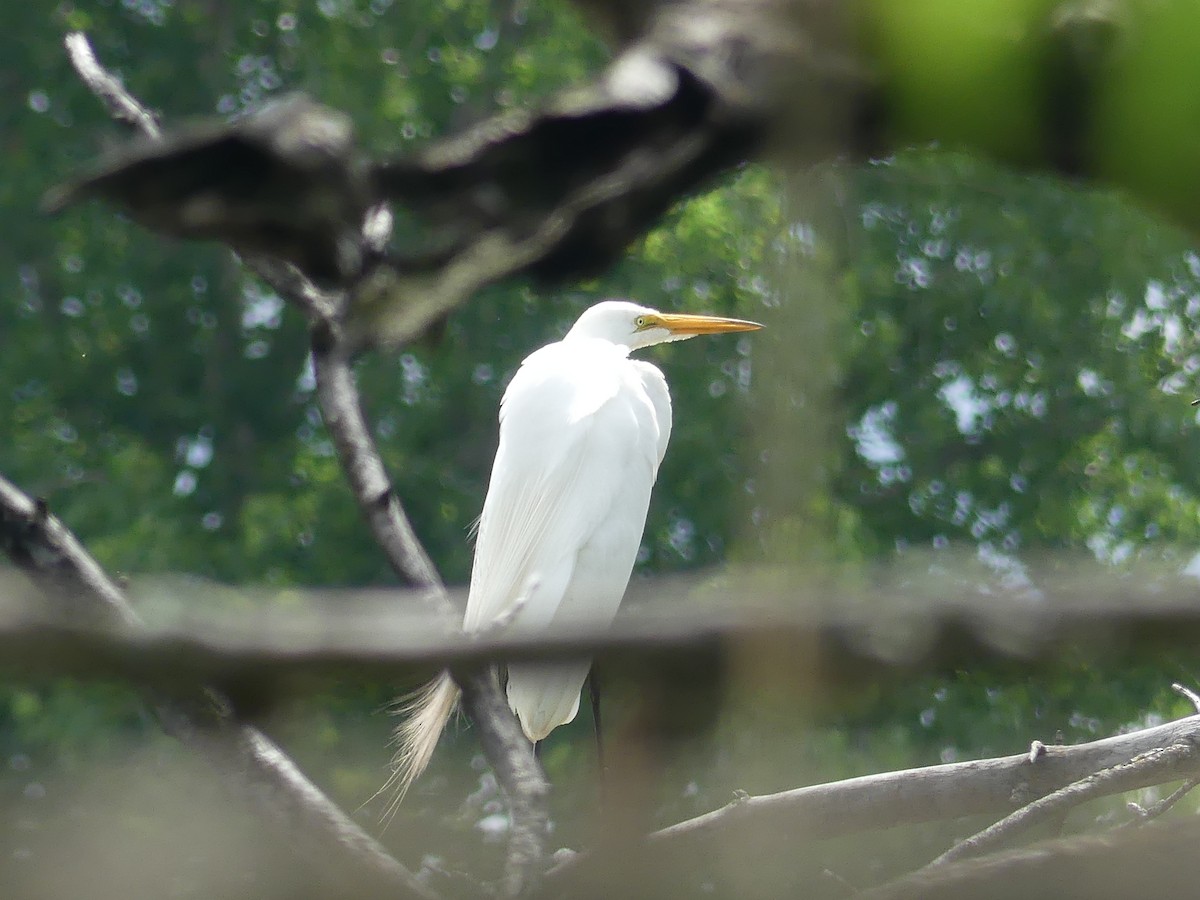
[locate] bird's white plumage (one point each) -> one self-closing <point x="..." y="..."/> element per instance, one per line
<point x="583" y="429"/>
<point x="582" y="432"/>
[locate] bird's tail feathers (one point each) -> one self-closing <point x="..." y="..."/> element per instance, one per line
<point x="425" y="711"/>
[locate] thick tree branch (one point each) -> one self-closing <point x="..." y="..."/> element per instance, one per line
<point x="518" y="772"/>
<point x="873" y="802"/>
<point x="947" y="792"/>
<point x="76" y="588"/>
<point x="249" y="763"/>
<point x="555" y="193"/>
<point x="932" y="793"/>
<point x="332" y="633"/>
<point x="696" y="87"/>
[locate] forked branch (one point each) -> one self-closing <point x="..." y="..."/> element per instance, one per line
<point x="312" y="145"/>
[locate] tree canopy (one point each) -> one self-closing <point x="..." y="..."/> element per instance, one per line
<point x="1003" y="363"/>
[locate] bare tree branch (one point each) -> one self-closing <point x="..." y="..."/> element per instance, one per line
<point x="288" y="282"/>
<point x="249" y="763"/>
<point x="697" y="90"/>
<point x="1147" y="814"/>
<point x="107" y="88"/>
<point x="1161" y="764"/>
<point x="935" y="792"/>
<point x="517" y="771"/>
<point x="504" y="744"/>
<point x="341" y="409"/>
<point x="282" y="182"/>
<point x="301" y="144"/>
<point x="1187" y="692"/>
<point x="391" y="634"/>
<point x="73" y="583"/>
<point x="869" y="803"/>
<point x="1155" y="861"/>
<point x="696" y="87"/>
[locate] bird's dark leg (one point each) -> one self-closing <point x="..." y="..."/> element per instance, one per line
<point x="537" y="750"/>
<point x="594" y="694"/>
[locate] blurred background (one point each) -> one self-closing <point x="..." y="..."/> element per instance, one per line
<point x="967" y="369"/>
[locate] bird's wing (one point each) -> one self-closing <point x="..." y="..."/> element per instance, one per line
<point x="655" y="385"/>
<point x="575" y="427"/>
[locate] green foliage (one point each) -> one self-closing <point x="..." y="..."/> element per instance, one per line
<point x="1013" y="379"/>
<point x="1102" y="88"/>
<point x="992" y="100"/>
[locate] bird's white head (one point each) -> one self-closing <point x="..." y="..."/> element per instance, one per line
<point x="630" y="325"/>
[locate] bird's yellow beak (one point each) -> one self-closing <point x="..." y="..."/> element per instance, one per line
<point x="681" y="324"/>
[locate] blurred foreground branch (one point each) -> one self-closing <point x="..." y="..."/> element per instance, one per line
<point x="695" y="88"/>
<point x="904" y="626"/>
<point x="1039" y="782"/>
<point x="555" y="193"/>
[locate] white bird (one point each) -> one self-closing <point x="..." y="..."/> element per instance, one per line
<point x="583" y="429"/>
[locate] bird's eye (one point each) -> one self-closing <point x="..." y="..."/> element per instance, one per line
<point x="641" y="322"/>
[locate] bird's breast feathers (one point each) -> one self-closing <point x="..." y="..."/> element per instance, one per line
<point x="571" y="381"/>
<point x="582" y="430"/>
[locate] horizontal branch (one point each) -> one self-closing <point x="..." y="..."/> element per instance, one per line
<point x="382" y="635"/>
<point x="932" y="793"/>
<point x="908" y="797"/>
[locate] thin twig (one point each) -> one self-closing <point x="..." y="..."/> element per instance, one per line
<point x="107" y="88"/>
<point x="124" y="107"/>
<point x="1162" y="764"/>
<point x="1155" y="861"/>
<point x="290" y="284"/>
<point x="249" y="763"/>
<point x="1148" y="814"/>
<point x="1185" y="691"/>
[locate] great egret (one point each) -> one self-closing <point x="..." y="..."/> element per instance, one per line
<point x="583" y="429"/>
